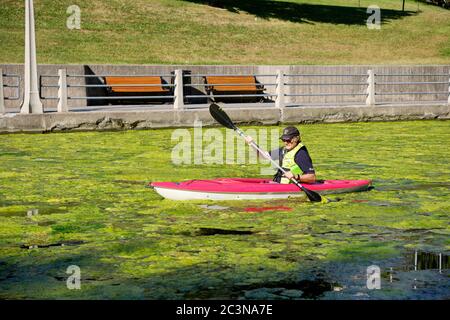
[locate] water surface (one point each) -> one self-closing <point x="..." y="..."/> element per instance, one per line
<point x="93" y="211"/>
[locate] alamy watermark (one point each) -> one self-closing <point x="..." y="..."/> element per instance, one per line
<point x="74" y="280"/>
<point x="374" y="20"/>
<point x="373" y="277"/>
<point x="74" y="19"/>
<point x="213" y="146"/>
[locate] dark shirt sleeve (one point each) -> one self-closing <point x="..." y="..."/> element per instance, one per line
<point x="303" y="160"/>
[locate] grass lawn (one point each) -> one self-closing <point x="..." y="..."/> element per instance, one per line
<point x="229" y="32"/>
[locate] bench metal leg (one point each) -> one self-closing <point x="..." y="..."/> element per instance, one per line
<point x="211" y="98"/>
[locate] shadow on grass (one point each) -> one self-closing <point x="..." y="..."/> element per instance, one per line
<point x="302" y="12"/>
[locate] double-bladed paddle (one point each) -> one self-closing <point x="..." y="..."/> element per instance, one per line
<point x="220" y="116"/>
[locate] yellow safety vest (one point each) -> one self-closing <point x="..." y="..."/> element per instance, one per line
<point x="289" y="163"/>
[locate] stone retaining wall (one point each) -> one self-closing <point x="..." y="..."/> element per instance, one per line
<point x="123" y="120"/>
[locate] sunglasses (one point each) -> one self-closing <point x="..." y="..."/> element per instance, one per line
<point x="287" y="140"/>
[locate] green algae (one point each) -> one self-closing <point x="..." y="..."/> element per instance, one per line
<point x="130" y="243"/>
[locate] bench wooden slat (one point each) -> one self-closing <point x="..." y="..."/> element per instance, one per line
<point x="221" y="81"/>
<point x="135" y="81"/>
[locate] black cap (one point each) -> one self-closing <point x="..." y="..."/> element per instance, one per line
<point x="289" y="133"/>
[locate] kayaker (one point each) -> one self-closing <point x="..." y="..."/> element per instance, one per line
<point x="293" y="157"/>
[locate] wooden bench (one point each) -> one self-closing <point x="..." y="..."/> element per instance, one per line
<point x="114" y="82"/>
<point x="136" y="86"/>
<point x="229" y="85"/>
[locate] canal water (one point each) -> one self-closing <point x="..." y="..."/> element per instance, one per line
<point x="77" y="201"/>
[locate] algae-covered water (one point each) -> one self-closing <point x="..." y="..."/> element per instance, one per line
<point x="78" y="200"/>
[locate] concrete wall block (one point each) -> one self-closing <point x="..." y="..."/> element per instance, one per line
<point x="312" y="84"/>
<point x="411" y="74"/>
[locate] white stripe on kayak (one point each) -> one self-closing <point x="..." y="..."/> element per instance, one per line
<point x="178" y="194"/>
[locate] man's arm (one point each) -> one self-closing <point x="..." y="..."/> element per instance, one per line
<point x="303" y="160"/>
<point x="307" y="178"/>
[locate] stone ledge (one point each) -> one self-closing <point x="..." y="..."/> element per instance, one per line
<point x="150" y="119"/>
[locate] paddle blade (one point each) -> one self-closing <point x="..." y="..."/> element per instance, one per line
<point x="312" y="195"/>
<point x="220" y="116"/>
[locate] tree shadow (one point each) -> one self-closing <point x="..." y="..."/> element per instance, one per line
<point x="104" y="280"/>
<point x="303" y="12"/>
<point x="42" y="273"/>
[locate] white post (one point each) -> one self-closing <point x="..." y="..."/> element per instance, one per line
<point x="62" y="91"/>
<point x="31" y="101"/>
<point x="178" y="90"/>
<point x="370" y="101"/>
<point x="2" y="98"/>
<point x="448" y="101"/>
<point x="415" y="261"/>
<point x="279" y="101"/>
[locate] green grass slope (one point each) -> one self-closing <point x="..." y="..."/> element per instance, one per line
<point x="229" y="32"/>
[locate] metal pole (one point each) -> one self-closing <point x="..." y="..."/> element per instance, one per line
<point x="178" y="102"/>
<point x="370" y="101"/>
<point x="31" y="101"/>
<point x="62" y="91"/>
<point x="279" y="101"/>
<point x="2" y="98"/>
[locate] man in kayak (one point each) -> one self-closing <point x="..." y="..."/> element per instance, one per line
<point x="293" y="158"/>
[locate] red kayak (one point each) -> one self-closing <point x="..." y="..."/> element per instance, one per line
<point x="250" y="188"/>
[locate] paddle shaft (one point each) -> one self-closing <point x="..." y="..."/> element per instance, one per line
<point x="268" y="157"/>
<point x="221" y="117"/>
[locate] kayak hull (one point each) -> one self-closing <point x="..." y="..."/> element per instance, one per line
<point x="250" y="189"/>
